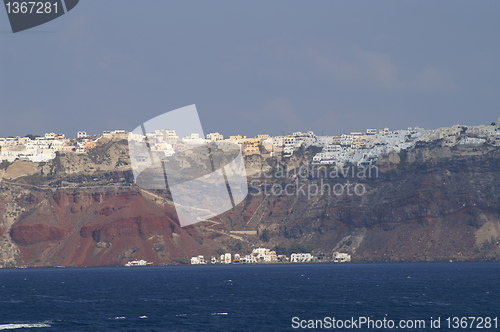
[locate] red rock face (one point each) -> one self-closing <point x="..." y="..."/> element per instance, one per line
<point x="32" y="234"/>
<point x="427" y="210"/>
<point x="249" y="209"/>
<point x="106" y="228"/>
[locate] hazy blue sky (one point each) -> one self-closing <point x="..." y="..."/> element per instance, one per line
<point x="254" y="67"/>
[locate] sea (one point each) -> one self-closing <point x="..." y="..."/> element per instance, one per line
<point x="449" y="296"/>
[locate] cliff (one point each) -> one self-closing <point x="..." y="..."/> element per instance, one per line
<point x="430" y="203"/>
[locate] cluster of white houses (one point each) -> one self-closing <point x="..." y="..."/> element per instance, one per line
<point x="361" y="148"/>
<point x="365" y="148"/>
<point x="43" y="149"/>
<point x="264" y="255"/>
<point x="355" y="148"/>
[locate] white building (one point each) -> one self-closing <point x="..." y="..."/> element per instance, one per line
<point x="340" y="257"/>
<point x="237" y="259"/>
<point x="214" y="137"/>
<point x="301" y="258"/>
<point x="472" y="141"/>
<point x="225" y="258"/>
<point x="169" y="150"/>
<point x="289" y="145"/>
<point x="264" y="255"/>
<point x="193" y="139"/>
<point x="167" y="135"/>
<point x="198" y="260"/>
<point x="248" y="259"/>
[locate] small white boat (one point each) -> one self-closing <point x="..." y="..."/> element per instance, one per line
<point x="140" y="262"/>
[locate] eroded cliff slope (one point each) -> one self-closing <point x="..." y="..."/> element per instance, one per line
<point x="429" y="203"/>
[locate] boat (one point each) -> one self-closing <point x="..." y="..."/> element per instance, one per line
<point x="140" y="262"/>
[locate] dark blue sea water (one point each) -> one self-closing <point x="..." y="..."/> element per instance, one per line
<point x="247" y="297"/>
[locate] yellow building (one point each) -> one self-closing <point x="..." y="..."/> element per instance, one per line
<point x="361" y="141"/>
<point x="251" y="146"/>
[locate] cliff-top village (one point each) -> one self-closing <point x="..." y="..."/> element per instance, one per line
<point x="357" y="148"/>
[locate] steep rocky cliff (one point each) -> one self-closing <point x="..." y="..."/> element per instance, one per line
<point x="429" y="203"/>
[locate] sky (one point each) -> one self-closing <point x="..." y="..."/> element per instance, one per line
<point x="253" y="67"/>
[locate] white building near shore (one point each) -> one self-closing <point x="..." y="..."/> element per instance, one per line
<point x="198" y="260"/>
<point x="340" y="257"/>
<point x="301" y="258"/>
